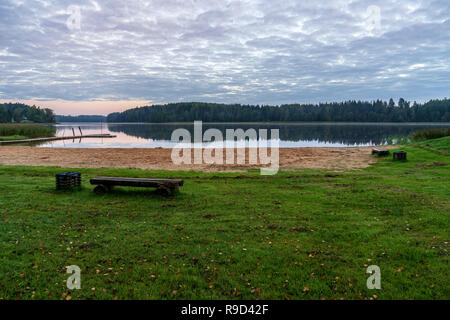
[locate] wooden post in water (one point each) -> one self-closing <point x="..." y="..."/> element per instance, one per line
<point x="73" y="131"/>
<point x="81" y="132"/>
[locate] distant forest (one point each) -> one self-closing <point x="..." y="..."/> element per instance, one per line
<point x="349" y="111"/>
<point x="18" y="112"/>
<point x="82" y="118"/>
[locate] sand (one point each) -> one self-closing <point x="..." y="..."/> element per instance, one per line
<point x="335" y="159"/>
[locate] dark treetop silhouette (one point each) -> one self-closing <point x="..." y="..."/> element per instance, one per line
<point x="349" y="111"/>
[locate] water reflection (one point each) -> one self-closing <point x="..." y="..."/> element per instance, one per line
<point x="143" y="135"/>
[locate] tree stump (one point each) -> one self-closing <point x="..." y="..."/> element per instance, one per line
<point x="68" y="180"/>
<point x="400" y="155"/>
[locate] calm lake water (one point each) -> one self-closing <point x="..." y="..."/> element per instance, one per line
<point x="147" y="135"/>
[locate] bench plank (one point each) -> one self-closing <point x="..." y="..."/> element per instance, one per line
<point x="137" y="182"/>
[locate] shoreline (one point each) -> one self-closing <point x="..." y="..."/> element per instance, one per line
<point x="270" y="123"/>
<point x="330" y="158"/>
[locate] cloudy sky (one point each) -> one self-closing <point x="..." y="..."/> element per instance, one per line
<point x="95" y="57"/>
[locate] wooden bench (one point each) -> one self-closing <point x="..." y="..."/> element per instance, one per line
<point x="380" y="152"/>
<point x="164" y="186"/>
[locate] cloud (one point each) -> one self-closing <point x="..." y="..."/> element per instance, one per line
<point x="250" y="51"/>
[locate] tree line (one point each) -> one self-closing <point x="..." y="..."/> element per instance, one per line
<point x="81" y="118"/>
<point x="19" y="112"/>
<point x="348" y="111"/>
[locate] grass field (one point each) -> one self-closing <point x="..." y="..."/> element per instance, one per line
<point x="298" y="235"/>
<point x="10" y="131"/>
<point x="441" y="144"/>
<point x="13" y="137"/>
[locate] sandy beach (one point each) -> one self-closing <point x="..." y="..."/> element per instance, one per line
<point x="160" y="159"/>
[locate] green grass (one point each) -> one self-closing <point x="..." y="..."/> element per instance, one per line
<point x="297" y="235"/>
<point x="15" y="137"/>
<point x="25" y="131"/>
<point x="428" y="134"/>
<point x="440" y="145"/>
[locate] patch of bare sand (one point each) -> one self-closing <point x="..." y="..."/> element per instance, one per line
<point x="160" y="159"/>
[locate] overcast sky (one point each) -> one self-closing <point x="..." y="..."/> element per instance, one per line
<point x="77" y="56"/>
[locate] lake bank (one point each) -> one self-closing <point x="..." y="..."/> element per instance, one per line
<point x="160" y="159"/>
